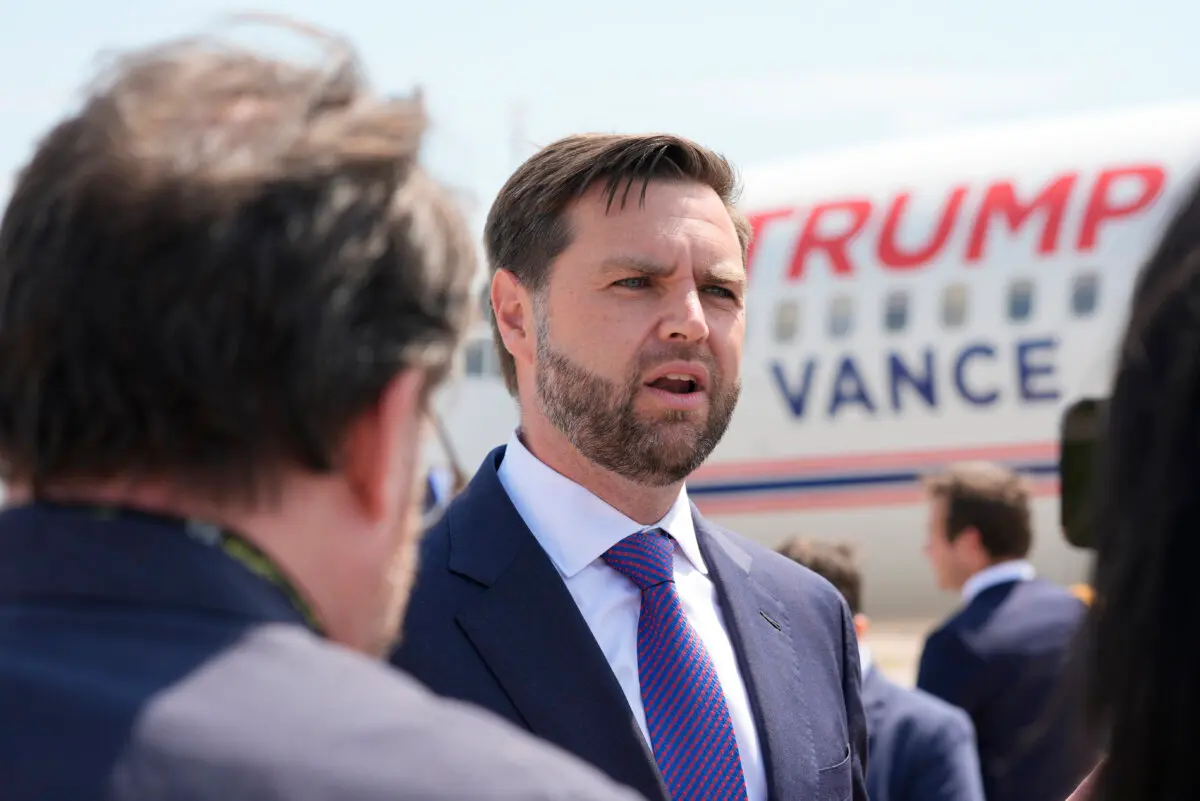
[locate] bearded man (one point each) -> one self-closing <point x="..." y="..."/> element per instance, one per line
<point x="572" y="587"/>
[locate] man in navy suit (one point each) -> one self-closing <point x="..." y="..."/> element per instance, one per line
<point x="1003" y="655"/>
<point x="572" y="587"/>
<point x="227" y="290"/>
<point x="920" y="747"/>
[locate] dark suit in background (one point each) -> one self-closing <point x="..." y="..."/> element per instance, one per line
<point x="1002" y="658"/>
<point x="921" y="748"/>
<point x="137" y="663"/>
<point x="492" y="622"/>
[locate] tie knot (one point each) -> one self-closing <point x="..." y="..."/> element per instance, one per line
<point x="646" y="558"/>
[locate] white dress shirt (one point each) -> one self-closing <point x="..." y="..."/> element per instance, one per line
<point x="999" y="573"/>
<point x="575" y="528"/>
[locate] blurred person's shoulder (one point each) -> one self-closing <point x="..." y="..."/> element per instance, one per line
<point x="936" y="718"/>
<point x="285" y="715"/>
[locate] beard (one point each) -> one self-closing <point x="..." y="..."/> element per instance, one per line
<point x="598" y="416"/>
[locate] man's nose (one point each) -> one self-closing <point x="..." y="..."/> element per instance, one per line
<point x="685" y="319"/>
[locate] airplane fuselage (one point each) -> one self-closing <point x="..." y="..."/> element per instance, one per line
<point x="913" y="304"/>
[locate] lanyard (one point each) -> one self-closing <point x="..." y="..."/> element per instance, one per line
<point x="233" y="544"/>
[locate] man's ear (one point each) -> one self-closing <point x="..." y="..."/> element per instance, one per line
<point x="382" y="446"/>
<point x="512" y="306"/>
<point x="970" y="541"/>
<point x="970" y="536"/>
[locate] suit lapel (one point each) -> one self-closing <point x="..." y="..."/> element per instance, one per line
<point x="762" y="637"/>
<point x="530" y="633"/>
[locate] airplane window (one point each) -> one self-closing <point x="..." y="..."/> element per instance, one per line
<point x="954" y="306"/>
<point x="491" y="361"/>
<point x="481" y="359"/>
<point x="485" y="304"/>
<point x="476" y="357"/>
<point x="895" y="311"/>
<point x="787" y="320"/>
<point x="1020" y="300"/>
<point x="841" y="316"/>
<point x="1085" y="294"/>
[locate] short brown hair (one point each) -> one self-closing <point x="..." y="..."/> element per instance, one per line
<point x="989" y="498"/>
<point x="216" y="264"/>
<point x="527" y="225"/>
<point x="837" y="563"/>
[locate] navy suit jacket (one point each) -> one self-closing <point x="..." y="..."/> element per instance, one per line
<point x="138" y="664"/>
<point x="1004" y="659"/>
<point x="921" y="748"/>
<point x="492" y="622"/>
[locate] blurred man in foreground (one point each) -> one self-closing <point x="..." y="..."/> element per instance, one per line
<point x="920" y="748"/>
<point x="226" y="292"/>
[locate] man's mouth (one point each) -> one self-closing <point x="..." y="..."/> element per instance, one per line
<point x="676" y="384"/>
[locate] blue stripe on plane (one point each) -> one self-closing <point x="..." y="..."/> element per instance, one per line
<point x="827" y="482"/>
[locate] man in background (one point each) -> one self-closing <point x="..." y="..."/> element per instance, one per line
<point x="920" y="748"/>
<point x="227" y="291"/>
<point x="1002" y="656"/>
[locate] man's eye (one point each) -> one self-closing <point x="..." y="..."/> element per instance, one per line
<point x="633" y="283"/>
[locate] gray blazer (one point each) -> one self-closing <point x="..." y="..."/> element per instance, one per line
<point x="137" y="664"/>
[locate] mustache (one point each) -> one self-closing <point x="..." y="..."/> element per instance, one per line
<point x="662" y="354"/>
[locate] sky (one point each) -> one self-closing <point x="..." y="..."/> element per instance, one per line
<point x="768" y="81"/>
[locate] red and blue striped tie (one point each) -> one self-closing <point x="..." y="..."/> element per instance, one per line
<point x="691" y="731"/>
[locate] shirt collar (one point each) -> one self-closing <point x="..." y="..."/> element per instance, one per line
<point x="1000" y="573"/>
<point x="573" y="526"/>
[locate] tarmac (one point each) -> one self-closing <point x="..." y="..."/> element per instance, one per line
<point x="896" y="647"/>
